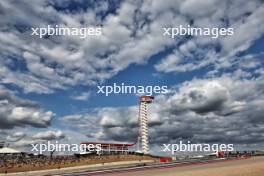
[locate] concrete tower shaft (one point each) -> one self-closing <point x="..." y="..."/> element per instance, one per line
<point x="143" y="123"/>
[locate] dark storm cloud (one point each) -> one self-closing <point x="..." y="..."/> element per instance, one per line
<point x="123" y="134"/>
<point x="11" y="98"/>
<point x="203" y="104"/>
<point x="15" y="111"/>
<point x="255" y="112"/>
<point x="211" y="112"/>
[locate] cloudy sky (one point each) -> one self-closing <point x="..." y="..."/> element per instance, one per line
<point x="48" y="86"/>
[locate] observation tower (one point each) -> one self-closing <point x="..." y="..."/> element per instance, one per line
<point x="143" y="141"/>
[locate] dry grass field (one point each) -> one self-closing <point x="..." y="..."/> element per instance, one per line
<point x="83" y="161"/>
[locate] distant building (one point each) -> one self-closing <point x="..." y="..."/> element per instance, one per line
<point x="112" y="148"/>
